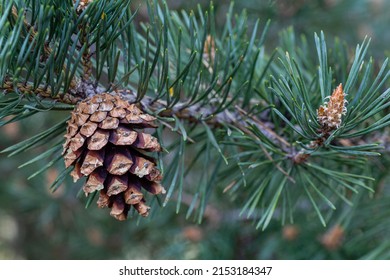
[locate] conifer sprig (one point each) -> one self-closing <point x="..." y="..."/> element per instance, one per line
<point x="324" y="166"/>
<point x="240" y="117"/>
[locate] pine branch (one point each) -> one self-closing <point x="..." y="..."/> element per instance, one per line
<point x="257" y="123"/>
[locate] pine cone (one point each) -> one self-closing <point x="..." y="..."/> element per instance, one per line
<point x="105" y="143"/>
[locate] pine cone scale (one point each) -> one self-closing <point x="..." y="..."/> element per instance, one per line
<point x="95" y="181"/>
<point x="116" y="185"/>
<point x="153" y="187"/>
<point x="98" y="116"/>
<point x="106" y="106"/>
<point x="88" y="129"/>
<point x="80" y="119"/>
<point x="93" y="160"/>
<point x="120" y="163"/>
<point x="109" y="123"/>
<point x="142" y="208"/>
<point x="133" y="194"/>
<point x="103" y="200"/>
<point x="147" y="142"/>
<point x="118" y="210"/>
<point x="123" y="136"/>
<point x="118" y="113"/>
<point x="98" y="140"/>
<point x="72" y="129"/>
<point x="76" y="142"/>
<point x="71" y="156"/>
<point x="88" y="108"/>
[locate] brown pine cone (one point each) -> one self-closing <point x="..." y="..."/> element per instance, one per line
<point x="105" y="142"/>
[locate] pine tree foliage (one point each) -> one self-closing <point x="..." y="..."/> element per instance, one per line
<point x="232" y="115"/>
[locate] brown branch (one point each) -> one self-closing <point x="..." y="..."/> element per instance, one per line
<point x="81" y="90"/>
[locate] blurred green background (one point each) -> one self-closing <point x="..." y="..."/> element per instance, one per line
<point x="38" y="224"/>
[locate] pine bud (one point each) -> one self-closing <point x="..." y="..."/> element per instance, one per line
<point x="329" y="115"/>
